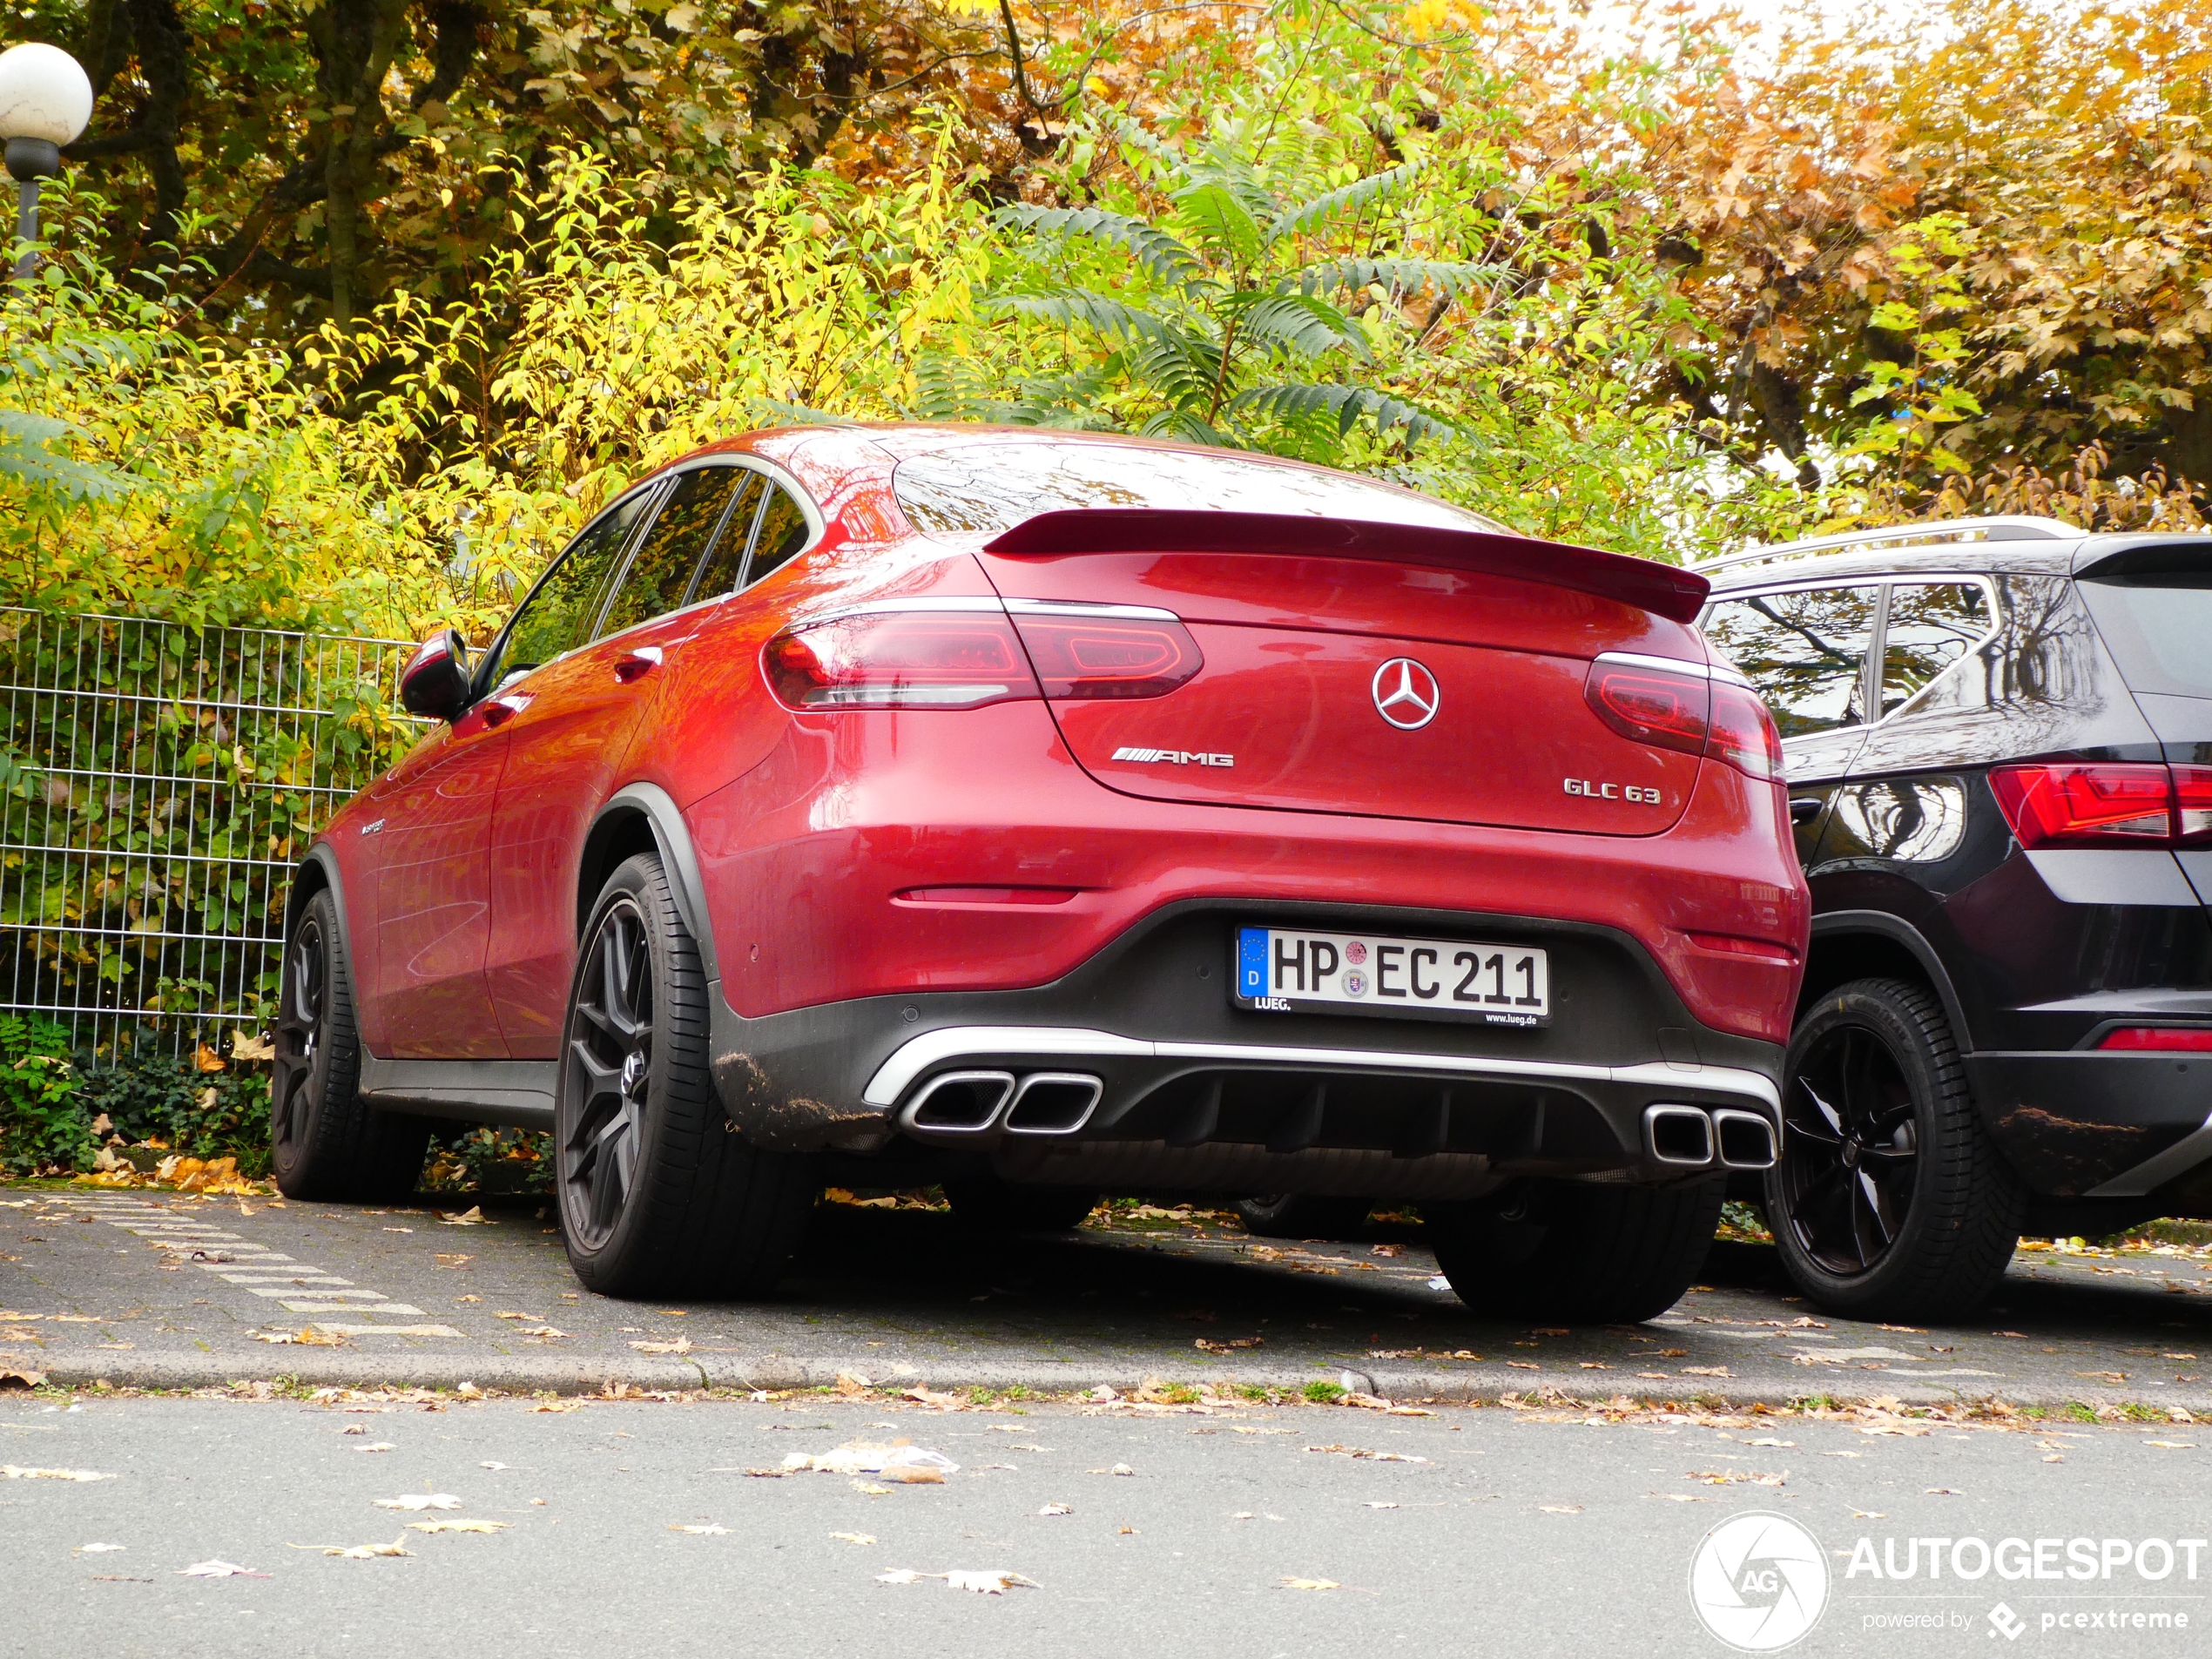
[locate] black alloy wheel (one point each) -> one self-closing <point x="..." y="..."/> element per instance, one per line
<point x="303" y="1001"/>
<point x="1890" y="1200"/>
<point x="608" y="1060"/>
<point x="658" y="1195"/>
<point x="1853" y="1152"/>
<point x="1575" y="1252"/>
<point x="324" y="1141"/>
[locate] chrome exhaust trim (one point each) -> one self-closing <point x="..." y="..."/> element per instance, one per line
<point x="1746" y="1138"/>
<point x="972" y="1105"/>
<point x="1679" y="1135"/>
<point x="1053" y="1102"/>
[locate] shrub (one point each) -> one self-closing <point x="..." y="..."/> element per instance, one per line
<point x="43" y="1122"/>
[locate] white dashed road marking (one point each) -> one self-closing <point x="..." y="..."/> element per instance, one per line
<point x="299" y="1287"/>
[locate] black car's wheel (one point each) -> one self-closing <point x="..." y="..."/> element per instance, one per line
<point x="985" y="1204"/>
<point x="657" y="1196"/>
<point x="1577" y="1252"/>
<point x="324" y="1142"/>
<point x="1890" y="1198"/>
<point x="1302" y="1214"/>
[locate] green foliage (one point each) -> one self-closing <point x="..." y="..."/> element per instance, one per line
<point x="44" y="1120"/>
<point x="1324" y="1394"/>
<point x="158" y="1097"/>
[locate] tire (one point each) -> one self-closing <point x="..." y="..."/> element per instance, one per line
<point x="1303" y="1215"/>
<point x="324" y="1142"/>
<point x="1891" y="1200"/>
<point x="987" y="1204"/>
<point x="1580" y="1253"/>
<point x="658" y="1197"/>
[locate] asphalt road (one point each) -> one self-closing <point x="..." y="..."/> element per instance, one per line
<point x="1474" y="1532"/>
<point x="169" y="1290"/>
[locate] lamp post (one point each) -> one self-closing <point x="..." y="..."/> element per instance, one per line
<point x="44" y="102"/>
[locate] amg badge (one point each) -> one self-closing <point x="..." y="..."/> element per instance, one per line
<point x="1175" y="757"/>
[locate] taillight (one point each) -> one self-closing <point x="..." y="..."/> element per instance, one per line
<point x="2193" y="804"/>
<point x="1108" y="657"/>
<point x="1667" y="710"/>
<point x="911" y="660"/>
<point x="1645" y="702"/>
<point x="1744" y="734"/>
<point x="2088" y="804"/>
<point x="2159" y="1039"/>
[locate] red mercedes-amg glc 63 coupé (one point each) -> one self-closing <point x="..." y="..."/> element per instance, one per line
<point x="1041" y="815"/>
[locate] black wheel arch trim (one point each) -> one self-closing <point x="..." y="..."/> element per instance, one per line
<point x="1838" y="924"/>
<point x="317" y="871"/>
<point x="657" y="810"/>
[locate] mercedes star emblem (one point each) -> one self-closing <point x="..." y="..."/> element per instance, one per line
<point x="1405" y="694"/>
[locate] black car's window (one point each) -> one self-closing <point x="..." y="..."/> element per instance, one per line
<point x="1805" y="651"/>
<point x="660" y="571"/>
<point x="558" y="614"/>
<point x="1931" y="626"/>
<point x="993" y="487"/>
<point x="2159" y="628"/>
<point x="782" y="533"/>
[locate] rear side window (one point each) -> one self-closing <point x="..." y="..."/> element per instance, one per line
<point x="1805" y="651"/>
<point x="558" y="614"/>
<point x="2159" y="629"/>
<point x="660" y="571"/>
<point x="993" y="487"/>
<point x="1931" y="626"/>
<point x="782" y="532"/>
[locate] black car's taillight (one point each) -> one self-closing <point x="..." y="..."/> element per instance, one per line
<point x="2105" y="804"/>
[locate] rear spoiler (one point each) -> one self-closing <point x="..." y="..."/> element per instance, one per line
<point x="1661" y="588"/>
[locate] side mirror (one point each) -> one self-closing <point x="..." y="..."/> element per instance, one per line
<point x="436" y="679"/>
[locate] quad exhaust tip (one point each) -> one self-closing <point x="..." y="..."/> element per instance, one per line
<point x="1690" y="1137"/>
<point x="1747" y="1140"/>
<point x="967" y="1105"/>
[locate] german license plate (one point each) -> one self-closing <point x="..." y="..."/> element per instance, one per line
<point x="1284" y="970"/>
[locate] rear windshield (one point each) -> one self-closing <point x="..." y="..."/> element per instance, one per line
<point x="2159" y="628"/>
<point x="993" y="487"/>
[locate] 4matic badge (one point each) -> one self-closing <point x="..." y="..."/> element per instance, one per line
<point x="1174" y="756"/>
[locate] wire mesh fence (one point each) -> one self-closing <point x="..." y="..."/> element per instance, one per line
<point x="159" y="783"/>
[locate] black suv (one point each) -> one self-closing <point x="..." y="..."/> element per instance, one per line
<point x="2000" y="743"/>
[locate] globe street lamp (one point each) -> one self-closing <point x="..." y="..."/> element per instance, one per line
<point x="44" y="102"/>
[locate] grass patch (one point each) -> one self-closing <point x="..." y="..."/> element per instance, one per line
<point x="1322" y="1393"/>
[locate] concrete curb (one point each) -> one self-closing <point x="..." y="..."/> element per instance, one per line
<point x="322" y="1367"/>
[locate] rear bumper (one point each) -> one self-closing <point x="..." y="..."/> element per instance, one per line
<point x="2088" y="1124"/>
<point x="1192" y="1090"/>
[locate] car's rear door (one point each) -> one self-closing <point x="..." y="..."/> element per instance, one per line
<point x="574" y="718"/>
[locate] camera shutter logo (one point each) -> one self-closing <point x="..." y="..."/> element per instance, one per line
<point x="1758" y="1581"/>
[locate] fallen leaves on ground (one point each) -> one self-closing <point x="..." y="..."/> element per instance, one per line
<point x="420" y="1500"/>
<point x="1065" y="1509"/>
<point x="12" y="1378"/>
<point x="994" y="1583"/>
<point x="378" y="1446"/>
<point x="1705" y="1370"/>
<point x="97" y="1549"/>
<point x="308" y="1337"/>
<point x="447" y="1259"/>
<point x="1733" y="1477"/>
<point x="706" y="1531"/>
<point x="682" y="1345"/>
<point x="10" y="1471"/>
<point x="462" y="1526"/>
<point x="357" y="1553"/>
<point x="221" y="1569"/>
<point x="472" y="1216"/>
<point x="871" y="1488"/>
<point x="538" y="1331"/>
<point x="1231" y="1347"/>
<point x="1560" y="1509"/>
<point x="855" y="1537"/>
<point x="1362" y="1452"/>
<point x="1311" y="1584"/>
<point x="905" y="1465"/>
<point x="1378" y="1503"/>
